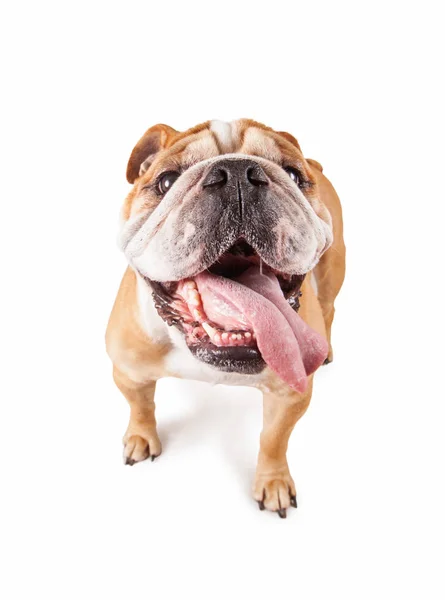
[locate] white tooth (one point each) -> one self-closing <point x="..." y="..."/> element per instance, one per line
<point x="234" y="336"/>
<point x="247" y="335"/>
<point x="216" y="337"/>
<point x="194" y="298"/>
<point x="239" y="336"/>
<point x="191" y="285"/>
<point x="225" y="336"/>
<point x="211" y="331"/>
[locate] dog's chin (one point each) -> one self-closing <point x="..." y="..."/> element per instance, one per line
<point x="226" y="343"/>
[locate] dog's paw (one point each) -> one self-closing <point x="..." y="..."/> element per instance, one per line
<point x="138" y="448"/>
<point x="275" y="491"/>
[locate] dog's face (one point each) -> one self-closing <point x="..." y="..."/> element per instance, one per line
<point x="219" y="199"/>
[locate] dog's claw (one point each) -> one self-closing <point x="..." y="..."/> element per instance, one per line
<point x="327" y="361"/>
<point x="129" y="461"/>
<point x="293" y="501"/>
<point x="261" y="502"/>
<point x="153" y="456"/>
<point x="282" y="513"/>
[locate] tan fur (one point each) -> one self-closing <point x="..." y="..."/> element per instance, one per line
<point x="330" y="270"/>
<point x="128" y="346"/>
<point x="140" y="361"/>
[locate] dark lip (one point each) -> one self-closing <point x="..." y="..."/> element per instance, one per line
<point x="238" y="359"/>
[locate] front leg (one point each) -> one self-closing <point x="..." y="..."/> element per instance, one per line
<point x="141" y="438"/>
<point x="274" y="487"/>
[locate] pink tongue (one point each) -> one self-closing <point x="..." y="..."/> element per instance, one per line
<point x="287" y="344"/>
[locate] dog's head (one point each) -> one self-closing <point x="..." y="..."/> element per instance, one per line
<point x="216" y="200"/>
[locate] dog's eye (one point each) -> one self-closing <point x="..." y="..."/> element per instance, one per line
<point x="293" y="174"/>
<point x="166" y="181"/>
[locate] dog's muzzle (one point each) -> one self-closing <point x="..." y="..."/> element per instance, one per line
<point x="218" y="202"/>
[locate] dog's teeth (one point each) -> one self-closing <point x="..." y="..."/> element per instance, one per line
<point x="211" y="331"/>
<point x="198" y="314"/>
<point x="217" y="338"/>
<point x="178" y="305"/>
<point x="239" y="336"/>
<point x="234" y="336"/>
<point x="247" y="335"/>
<point x="191" y="285"/>
<point x="225" y="336"/>
<point x="194" y="298"/>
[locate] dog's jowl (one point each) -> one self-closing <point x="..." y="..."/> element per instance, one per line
<point x="235" y="249"/>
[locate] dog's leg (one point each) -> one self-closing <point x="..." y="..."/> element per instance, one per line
<point x="329" y="275"/>
<point x="274" y="487"/>
<point x="141" y="438"/>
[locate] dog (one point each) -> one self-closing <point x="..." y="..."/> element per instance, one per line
<point x="235" y="248"/>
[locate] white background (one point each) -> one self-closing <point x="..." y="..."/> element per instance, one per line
<point x="359" y="86"/>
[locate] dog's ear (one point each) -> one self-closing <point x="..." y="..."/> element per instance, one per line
<point x="290" y="138"/>
<point x="315" y="163"/>
<point x="154" y="139"/>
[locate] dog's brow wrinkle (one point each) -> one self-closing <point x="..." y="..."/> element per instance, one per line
<point x="199" y="149"/>
<point x="256" y="142"/>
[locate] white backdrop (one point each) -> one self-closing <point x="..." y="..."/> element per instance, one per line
<point x="360" y="87"/>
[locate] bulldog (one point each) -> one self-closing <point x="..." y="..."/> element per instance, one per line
<point x="236" y="255"/>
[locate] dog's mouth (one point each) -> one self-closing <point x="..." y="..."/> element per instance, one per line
<point x="240" y="314"/>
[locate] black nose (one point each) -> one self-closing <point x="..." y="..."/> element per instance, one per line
<point x="244" y="171"/>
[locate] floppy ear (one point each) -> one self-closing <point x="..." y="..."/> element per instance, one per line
<point x="315" y="163"/>
<point x="290" y="138"/>
<point x="154" y="139"/>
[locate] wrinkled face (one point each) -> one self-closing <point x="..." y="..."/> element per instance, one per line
<point x="217" y="199"/>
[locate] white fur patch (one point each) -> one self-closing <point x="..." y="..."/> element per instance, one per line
<point x="189" y="230"/>
<point x="226" y="134"/>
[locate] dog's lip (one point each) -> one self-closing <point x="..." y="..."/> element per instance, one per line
<point x="239" y="256"/>
<point x="241" y="359"/>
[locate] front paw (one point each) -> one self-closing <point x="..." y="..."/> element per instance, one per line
<point x="275" y="490"/>
<point x="140" y="447"/>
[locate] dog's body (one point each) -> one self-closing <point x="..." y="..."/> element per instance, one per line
<point x="219" y="219"/>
